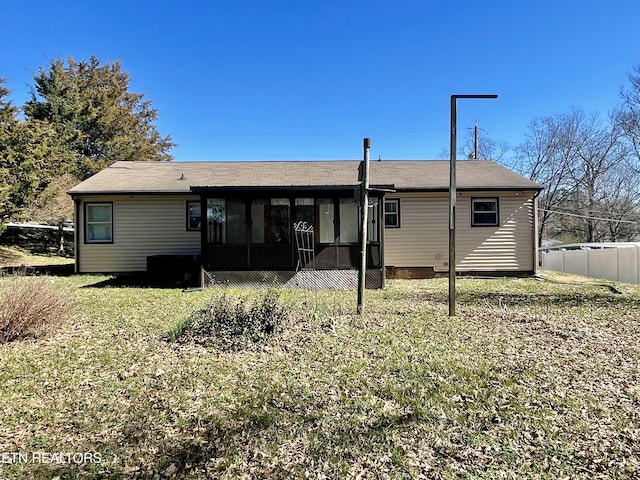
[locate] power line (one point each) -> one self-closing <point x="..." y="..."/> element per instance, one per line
<point x="605" y="212"/>
<point x="588" y="217"/>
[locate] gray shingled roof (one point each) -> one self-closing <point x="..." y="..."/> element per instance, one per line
<point x="434" y="175"/>
<point x="180" y="177"/>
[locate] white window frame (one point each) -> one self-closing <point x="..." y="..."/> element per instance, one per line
<point x="395" y="201"/>
<point x="495" y="212"/>
<point x="88" y="223"/>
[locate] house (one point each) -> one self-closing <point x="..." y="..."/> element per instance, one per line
<point x="239" y="216"/>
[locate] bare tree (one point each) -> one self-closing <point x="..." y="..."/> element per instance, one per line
<point x="590" y="185"/>
<point x="598" y="173"/>
<point x="487" y="148"/>
<point x="621" y="204"/>
<point x="548" y="156"/>
<point x="627" y="116"/>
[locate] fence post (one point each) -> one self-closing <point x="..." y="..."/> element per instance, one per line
<point x="589" y="261"/>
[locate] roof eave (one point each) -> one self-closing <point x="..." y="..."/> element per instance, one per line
<point x="74" y="194"/>
<point x="289" y="188"/>
<point x="469" y="189"/>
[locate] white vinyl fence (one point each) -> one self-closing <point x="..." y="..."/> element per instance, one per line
<point x="618" y="263"/>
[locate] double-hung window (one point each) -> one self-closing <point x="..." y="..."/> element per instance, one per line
<point x="392" y="212"/>
<point x="98" y="222"/>
<point x="194" y="215"/>
<point x="484" y="212"/>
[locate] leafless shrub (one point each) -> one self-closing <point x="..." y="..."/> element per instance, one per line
<point x="233" y="325"/>
<point x="30" y="307"/>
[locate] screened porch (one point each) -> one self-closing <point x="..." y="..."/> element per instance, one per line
<point x="254" y="231"/>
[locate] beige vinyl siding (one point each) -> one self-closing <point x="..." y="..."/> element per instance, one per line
<point x="423" y="237"/>
<point x="143" y="225"/>
<point x="508" y="247"/>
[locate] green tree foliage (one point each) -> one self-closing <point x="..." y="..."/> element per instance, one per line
<point x="24" y="156"/>
<point x="29" y="158"/>
<point x="95" y="117"/>
<point x="80" y="119"/>
<point x="8" y="118"/>
<point x="8" y="113"/>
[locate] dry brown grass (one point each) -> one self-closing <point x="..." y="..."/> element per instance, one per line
<point x="8" y="256"/>
<point x="532" y="380"/>
<point x="30" y="307"/>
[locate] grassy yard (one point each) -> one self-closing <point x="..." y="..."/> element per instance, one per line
<point x="15" y="257"/>
<point x="532" y="379"/>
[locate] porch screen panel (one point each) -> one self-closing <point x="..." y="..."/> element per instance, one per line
<point x="280" y="228"/>
<point x="372" y="220"/>
<point x="326" y="220"/>
<point x="216" y="216"/>
<point x="304" y="211"/>
<point x="348" y="221"/>
<point x="258" y="220"/>
<point x="236" y="222"/>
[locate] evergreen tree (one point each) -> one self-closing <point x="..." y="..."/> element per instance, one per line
<point x="8" y="113"/>
<point x="95" y="117"/>
<point x="8" y="120"/>
<point x="29" y="158"/>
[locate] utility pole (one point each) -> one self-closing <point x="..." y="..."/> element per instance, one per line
<point x="452" y="199"/>
<point x="364" y="208"/>
<point x="475" y="141"/>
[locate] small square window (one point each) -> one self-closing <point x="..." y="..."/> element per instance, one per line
<point x="484" y="212"/>
<point x="392" y="213"/>
<point x="194" y="216"/>
<point x="98" y="223"/>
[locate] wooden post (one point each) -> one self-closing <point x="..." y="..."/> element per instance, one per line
<point x="364" y="208"/>
<point x="452" y="209"/>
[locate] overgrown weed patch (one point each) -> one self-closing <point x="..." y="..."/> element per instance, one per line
<point x="232" y="324"/>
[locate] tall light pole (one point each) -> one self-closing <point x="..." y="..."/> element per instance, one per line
<point x="452" y="200"/>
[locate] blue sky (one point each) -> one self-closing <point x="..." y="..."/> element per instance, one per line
<point x="304" y="79"/>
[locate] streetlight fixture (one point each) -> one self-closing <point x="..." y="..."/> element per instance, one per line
<point x="452" y="200"/>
